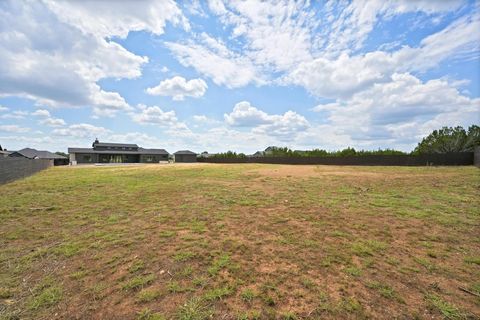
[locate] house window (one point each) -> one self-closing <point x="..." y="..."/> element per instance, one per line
<point x="87" y="158"/>
<point x="149" y="158"/>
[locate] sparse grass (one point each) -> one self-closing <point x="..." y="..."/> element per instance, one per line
<point x="248" y="295"/>
<point x="138" y="282"/>
<point x="147" y="314"/>
<point x="45" y="294"/>
<point x="218" y="264"/>
<point x="242" y="241"/>
<point x="183" y="256"/>
<point x="194" y="309"/>
<point x="447" y="310"/>
<point x="147" y="295"/>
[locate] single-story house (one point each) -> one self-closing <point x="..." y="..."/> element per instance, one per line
<point x="106" y="152"/>
<point x="31" y="153"/>
<point x="185" y="156"/>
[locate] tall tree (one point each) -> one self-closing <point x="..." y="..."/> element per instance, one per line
<point x="450" y="139"/>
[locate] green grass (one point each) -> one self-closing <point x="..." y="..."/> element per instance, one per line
<point x="138" y="282"/>
<point x="448" y="310"/>
<point x="246" y="241"/>
<point x="147" y="295"/>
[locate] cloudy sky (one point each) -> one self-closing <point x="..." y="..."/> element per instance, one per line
<point x="236" y="75"/>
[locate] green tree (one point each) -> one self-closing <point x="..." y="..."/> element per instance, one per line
<point x="450" y="139"/>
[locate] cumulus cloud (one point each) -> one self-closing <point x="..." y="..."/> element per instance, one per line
<point x="81" y="130"/>
<point x="107" y="20"/>
<point x="179" y="88"/>
<point x="47" y="118"/>
<point x="13" y="128"/>
<point x="74" y="51"/>
<point x="285" y="126"/>
<point x="402" y="109"/>
<point x="156" y="116"/>
<point x="17" y="114"/>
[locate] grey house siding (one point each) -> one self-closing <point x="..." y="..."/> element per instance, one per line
<point x="185" y="158"/>
<point x="153" y="158"/>
<point x="116" y="153"/>
<point x="86" y="157"/>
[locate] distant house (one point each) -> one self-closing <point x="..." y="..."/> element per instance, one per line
<point x="31" y="153"/>
<point x="106" y="152"/>
<point x="185" y="156"/>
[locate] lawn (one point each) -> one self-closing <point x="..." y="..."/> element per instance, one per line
<point x="245" y="241"/>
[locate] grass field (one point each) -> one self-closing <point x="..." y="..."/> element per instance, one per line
<point x="241" y="242"/>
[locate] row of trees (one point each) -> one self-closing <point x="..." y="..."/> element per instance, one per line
<point x="447" y="139"/>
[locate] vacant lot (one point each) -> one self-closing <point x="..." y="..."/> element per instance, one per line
<point x="241" y="242"/>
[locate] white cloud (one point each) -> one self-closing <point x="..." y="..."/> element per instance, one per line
<point x="156" y="116"/>
<point x="2" y="108"/>
<point x="74" y="52"/>
<point x="179" y="88"/>
<point x="41" y="113"/>
<point x="81" y="130"/>
<point x="349" y="27"/>
<point x="212" y="58"/>
<point x="13" y="128"/>
<point x="105" y="19"/>
<point x="403" y="109"/>
<point x="47" y="118"/>
<point x="18" y="114"/>
<point x="284" y="126"/>
<point x="53" y="122"/>
<point x="347" y="75"/>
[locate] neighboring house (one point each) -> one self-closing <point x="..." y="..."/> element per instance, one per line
<point x="103" y="152"/>
<point x="205" y="154"/>
<point x="185" y="156"/>
<point x="258" y="154"/>
<point x="31" y="153"/>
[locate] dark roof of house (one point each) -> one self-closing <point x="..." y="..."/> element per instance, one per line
<point x="139" y="151"/>
<point x="185" y="152"/>
<point x="41" y="154"/>
<point x="108" y="144"/>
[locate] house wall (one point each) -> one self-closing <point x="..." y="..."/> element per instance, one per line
<point x="82" y="157"/>
<point x="185" y="158"/>
<point x="153" y="158"/>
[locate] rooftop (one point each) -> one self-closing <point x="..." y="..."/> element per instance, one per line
<point x="185" y="152"/>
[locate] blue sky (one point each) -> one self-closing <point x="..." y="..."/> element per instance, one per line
<point x="236" y="75"/>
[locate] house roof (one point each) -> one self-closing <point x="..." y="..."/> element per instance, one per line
<point x="108" y="144"/>
<point x="139" y="151"/>
<point x="185" y="152"/>
<point x="41" y="154"/>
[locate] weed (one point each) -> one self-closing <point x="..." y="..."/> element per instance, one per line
<point x="353" y="271"/>
<point x="194" y="309"/>
<point x="147" y="314"/>
<point x="45" y="294"/>
<point x="218" y="293"/>
<point x="138" y="282"/>
<point x="183" y="256"/>
<point x="248" y="295"/>
<point x="218" y="264"/>
<point x="368" y="248"/>
<point x="137" y="265"/>
<point x="448" y="310"/>
<point x="167" y="234"/>
<point x="147" y="295"/>
<point x="472" y="260"/>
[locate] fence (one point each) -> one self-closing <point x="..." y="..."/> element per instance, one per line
<point x="446" y="159"/>
<point x="17" y="168"/>
<point x="476" y="157"/>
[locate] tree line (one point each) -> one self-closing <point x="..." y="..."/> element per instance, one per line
<point x="446" y="139"/>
